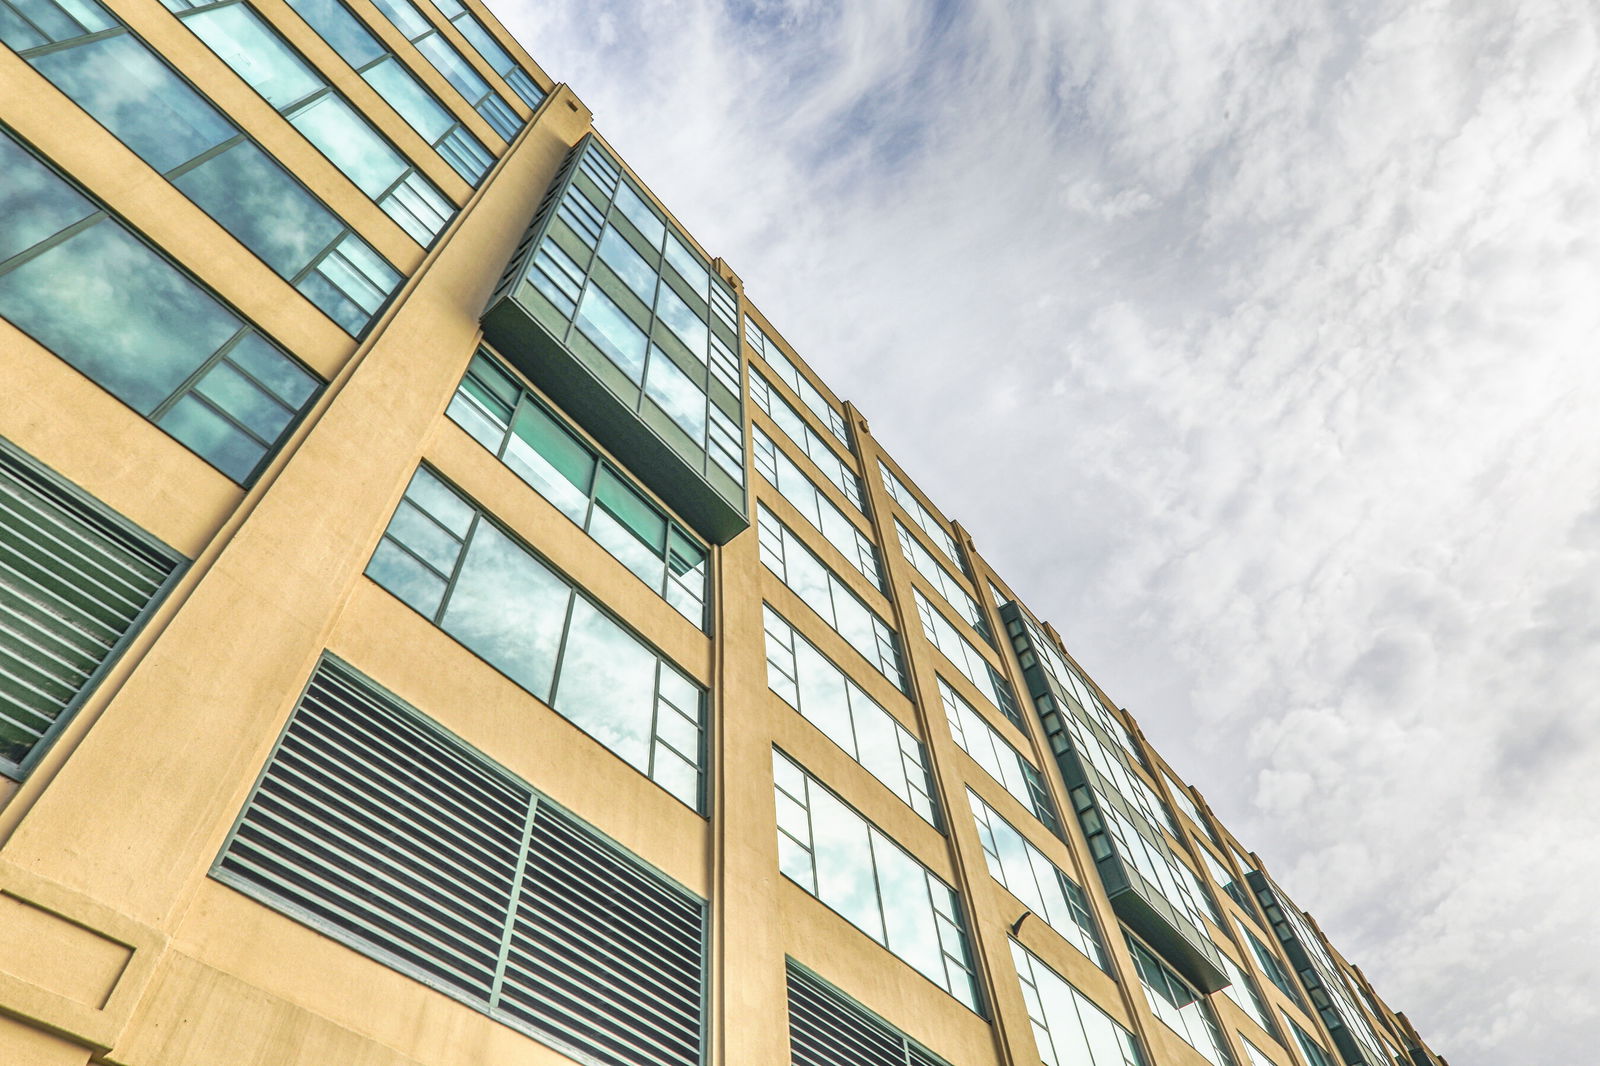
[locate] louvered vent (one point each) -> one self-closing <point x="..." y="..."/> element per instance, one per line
<point x="828" y="1029"/>
<point x="73" y="585"/>
<point x="374" y="827"/>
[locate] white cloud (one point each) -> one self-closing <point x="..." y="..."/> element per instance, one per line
<point x="1289" y="309"/>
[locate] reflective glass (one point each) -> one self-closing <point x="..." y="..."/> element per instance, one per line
<point x="643" y="217"/>
<point x="509" y="608"/>
<point x="202" y="428"/>
<point x="342" y="30"/>
<point x="613" y="332"/>
<point x="455" y="69"/>
<point x="256" y="54"/>
<point x="410" y="100"/>
<point x="912" y="930"/>
<point x="254" y="199"/>
<point x="35" y="202"/>
<point x="677" y="395"/>
<point x="628" y="264"/>
<point x="350" y="144"/>
<point x="138" y="98"/>
<point x="688" y="265"/>
<point x="843" y="850"/>
<point x="117" y="311"/>
<point x="684" y="323"/>
<point x="607" y="684"/>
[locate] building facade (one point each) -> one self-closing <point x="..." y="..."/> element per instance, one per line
<point x="443" y="621"/>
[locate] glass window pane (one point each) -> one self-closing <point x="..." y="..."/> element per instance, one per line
<point x="408" y="579"/>
<point x="549" y="459"/>
<point x="844" y="863"/>
<point x="687" y="264"/>
<point x="629" y="265"/>
<point x="35" y="202"/>
<point x="509" y="608"/>
<point x="255" y="53"/>
<point x="607" y="685"/>
<point x="350" y="143"/>
<point x="274" y="370"/>
<point x="643" y="217"/>
<point x="218" y="440"/>
<point x="912" y="932"/>
<point x="138" y="98"/>
<point x="454" y="68"/>
<point x="688" y="326"/>
<point x="824" y="700"/>
<point x="636" y="514"/>
<point x="411" y="101"/>
<point x="677" y="395"/>
<point x="118" y="312"/>
<point x="255" y="200"/>
<point x="342" y="30"/>
<point x="613" y="332"/>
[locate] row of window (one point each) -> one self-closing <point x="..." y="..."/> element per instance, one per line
<point x="96" y="61"/>
<point x="534" y="442"/>
<point x="767" y="349"/>
<point x="83" y="285"/>
<point x="793" y="485"/>
<point x="966" y="658"/>
<point x="416" y="105"/>
<point x="444" y="556"/>
<point x="451" y="65"/>
<point x="808" y="440"/>
<point x="258" y="53"/>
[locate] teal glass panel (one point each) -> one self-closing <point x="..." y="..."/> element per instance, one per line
<point x="612" y="331"/>
<point x="271" y="214"/>
<point x="350" y="144"/>
<point x="35" y="201"/>
<point x="138" y="98"/>
<point x="677" y="395"/>
<point x="410" y="100"/>
<point x="628" y="264"/>
<point x="256" y="54"/>
<point x="552" y="461"/>
<point x="203" y="428"/>
<point x="118" y="312"/>
<point x="342" y="30"/>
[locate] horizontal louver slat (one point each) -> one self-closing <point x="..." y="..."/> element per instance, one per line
<point x="828" y="1029"/>
<point x="388" y="835"/>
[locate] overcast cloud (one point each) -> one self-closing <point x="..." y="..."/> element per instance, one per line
<point x="1285" y="313"/>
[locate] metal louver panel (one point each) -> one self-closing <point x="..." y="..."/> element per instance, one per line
<point x="828" y="1029"/>
<point x="375" y="827"/>
<point x="74" y="584"/>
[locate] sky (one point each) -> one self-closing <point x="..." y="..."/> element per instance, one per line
<point x="1281" y="317"/>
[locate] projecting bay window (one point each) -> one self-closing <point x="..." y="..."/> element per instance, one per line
<point x="608" y="310"/>
<point x="826" y="697"/>
<point x="92" y="58"/>
<point x="813" y="503"/>
<point x="450" y="562"/>
<point x="995" y="754"/>
<point x="76" y="583"/>
<point x="81" y="284"/>
<point x="853" y="867"/>
<point x="376" y="828"/>
<point x="400" y="89"/>
<point x="1040" y="884"/>
<point x="798" y="567"/>
<point x="532" y="440"/>
<point x="1067" y="1026"/>
<point x="259" y="54"/>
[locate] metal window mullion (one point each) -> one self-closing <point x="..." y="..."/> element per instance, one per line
<point x="504" y="951"/>
<point x="561" y="645"/>
<point x="66" y="43"/>
<point x="455" y="571"/>
<point x="54" y="240"/>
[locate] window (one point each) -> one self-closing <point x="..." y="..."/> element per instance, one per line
<point x="827" y="698"/>
<point x="446" y="559"/>
<point x="81" y="284"/>
<point x="1220" y="874"/>
<point x="1315" y="1055"/>
<point x="77" y="581"/>
<point x="790" y="375"/>
<point x="452" y="66"/>
<point x="1177" y="1004"/>
<point x="870" y="881"/>
<point x="948" y="586"/>
<point x="92" y="58"/>
<point x="1242" y="990"/>
<point x="808" y="440"/>
<point x="901" y="494"/>
<point x="798" y="567"/>
<point x="528" y="437"/>
<point x="378" y="829"/>
<point x="1185" y="802"/>
<point x="260" y="55"/>
<point x="1200" y="894"/>
<point x="828" y="1028"/>
<point x="1067" y="1027"/>
<point x="811" y="502"/>
<point x="400" y="89"/>
<point x="966" y="658"/>
<point x="1039" y="883"/>
<point x="478" y="35"/>
<point x="999" y="759"/>
<point x="1270" y="965"/>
